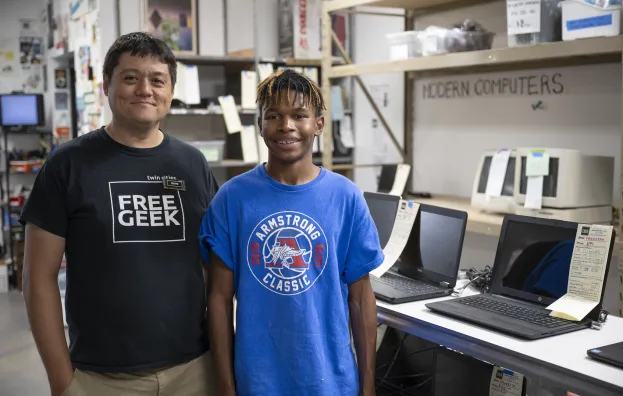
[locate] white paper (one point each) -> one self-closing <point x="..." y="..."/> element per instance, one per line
<point x="230" y="114"/>
<point x="337" y="104"/>
<point x="265" y="70"/>
<point x="311" y="73"/>
<point x="346" y="132"/>
<point x="248" y="89"/>
<point x="400" y="179"/>
<point x="534" y="192"/>
<point x="586" y="274"/>
<point x="537" y="163"/>
<point x="407" y="212"/>
<point x="523" y="16"/>
<point x="262" y="149"/>
<point x="248" y="141"/>
<point x="505" y="382"/>
<point x="187" y="85"/>
<point x="497" y="173"/>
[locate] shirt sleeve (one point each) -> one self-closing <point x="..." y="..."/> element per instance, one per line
<point x="214" y="231"/>
<point x="46" y="206"/>
<point x="364" y="249"/>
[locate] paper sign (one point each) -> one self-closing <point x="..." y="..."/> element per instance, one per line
<point x="534" y="192"/>
<point x="400" y="179"/>
<point x="262" y="149"/>
<point x="586" y="274"/>
<point x="230" y="114"/>
<point x="497" y="173"/>
<point x="523" y="16"/>
<point x="537" y="163"/>
<point x="248" y="91"/>
<point x="346" y="133"/>
<point x="248" y="141"/>
<point x="337" y="105"/>
<point x="405" y="217"/>
<point x="505" y="382"/>
<point x="265" y="70"/>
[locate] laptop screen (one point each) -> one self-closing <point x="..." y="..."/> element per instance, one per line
<point x="434" y="249"/>
<point x="383" y="209"/>
<point x="533" y="259"/>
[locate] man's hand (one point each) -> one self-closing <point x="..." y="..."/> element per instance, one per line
<point x="42" y="260"/>
<point x="221" y="319"/>
<point x="362" y="308"/>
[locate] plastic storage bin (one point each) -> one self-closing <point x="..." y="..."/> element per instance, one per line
<point x="402" y="45"/>
<point x="211" y="149"/>
<point x="433" y="41"/>
<point x="583" y="20"/>
<point x="550" y="26"/>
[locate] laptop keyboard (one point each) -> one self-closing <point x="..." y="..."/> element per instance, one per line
<point x="406" y="285"/>
<point x="537" y="317"/>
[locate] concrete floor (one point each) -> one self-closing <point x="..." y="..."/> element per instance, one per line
<point x="21" y="370"/>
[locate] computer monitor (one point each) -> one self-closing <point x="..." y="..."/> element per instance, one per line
<point x="505" y="203"/>
<point x="575" y="180"/>
<point x="533" y="259"/>
<point x="434" y="248"/>
<point x="21" y="110"/>
<point x="394" y="178"/>
<point x="383" y="209"/>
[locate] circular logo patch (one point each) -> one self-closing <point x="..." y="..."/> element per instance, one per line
<point x="287" y="252"/>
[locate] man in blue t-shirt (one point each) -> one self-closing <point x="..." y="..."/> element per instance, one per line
<point x="294" y="244"/>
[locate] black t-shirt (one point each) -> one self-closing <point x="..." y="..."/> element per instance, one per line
<point x="135" y="297"/>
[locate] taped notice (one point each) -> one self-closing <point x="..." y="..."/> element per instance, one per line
<point x="405" y="217"/>
<point x="586" y="274"/>
<point x="497" y="173"/>
<point x="505" y="382"/>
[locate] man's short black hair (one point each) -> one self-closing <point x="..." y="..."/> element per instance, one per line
<point x="141" y="44"/>
<point x="285" y="81"/>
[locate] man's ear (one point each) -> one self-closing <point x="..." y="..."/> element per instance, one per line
<point x="105" y="84"/>
<point x="319" y="125"/>
<point x="259" y="125"/>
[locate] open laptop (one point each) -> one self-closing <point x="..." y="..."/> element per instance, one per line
<point x="530" y="272"/>
<point x="429" y="264"/>
<point x="383" y="209"/>
<point x="611" y="354"/>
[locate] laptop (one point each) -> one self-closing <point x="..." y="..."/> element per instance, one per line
<point x="425" y="271"/>
<point x="530" y="272"/>
<point x="383" y="209"/>
<point x="611" y="354"/>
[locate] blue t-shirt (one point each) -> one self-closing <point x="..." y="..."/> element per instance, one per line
<point x="293" y="251"/>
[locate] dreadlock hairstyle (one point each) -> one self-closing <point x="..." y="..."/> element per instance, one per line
<point x="280" y="84"/>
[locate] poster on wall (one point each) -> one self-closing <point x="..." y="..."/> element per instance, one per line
<point x="32" y="79"/>
<point x="174" y="22"/>
<point x="8" y="59"/>
<point x="31" y="50"/>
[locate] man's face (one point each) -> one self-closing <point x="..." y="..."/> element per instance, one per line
<point x="289" y="128"/>
<point x="140" y="89"/>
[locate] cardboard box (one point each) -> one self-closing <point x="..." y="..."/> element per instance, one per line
<point x="300" y="23"/>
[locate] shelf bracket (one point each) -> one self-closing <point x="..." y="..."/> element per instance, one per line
<point x="363" y="87"/>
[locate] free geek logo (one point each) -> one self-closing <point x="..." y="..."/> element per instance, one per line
<point x="287" y="252"/>
<point x="144" y="211"/>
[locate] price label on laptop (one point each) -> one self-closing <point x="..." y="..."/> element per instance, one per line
<point x="537" y="163"/>
<point x="505" y="382"/>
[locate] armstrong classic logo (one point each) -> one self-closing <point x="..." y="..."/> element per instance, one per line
<point x="287" y="252"/>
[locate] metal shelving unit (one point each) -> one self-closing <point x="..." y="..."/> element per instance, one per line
<point x="578" y="52"/>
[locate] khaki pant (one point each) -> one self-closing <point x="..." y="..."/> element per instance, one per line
<point x="194" y="378"/>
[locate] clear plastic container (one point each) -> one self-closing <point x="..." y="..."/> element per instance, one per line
<point x="434" y="41"/>
<point x="211" y="149"/>
<point x="402" y="45"/>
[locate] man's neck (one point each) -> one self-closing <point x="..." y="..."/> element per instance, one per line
<point x="135" y="136"/>
<point x="300" y="172"/>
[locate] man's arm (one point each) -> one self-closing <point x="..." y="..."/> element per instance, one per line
<point x="362" y="309"/>
<point x="42" y="261"/>
<point x="221" y="327"/>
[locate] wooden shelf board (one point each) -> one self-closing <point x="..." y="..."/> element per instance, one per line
<point x="419" y="5"/>
<point x="586" y="51"/>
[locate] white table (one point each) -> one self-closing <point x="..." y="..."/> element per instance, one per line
<point x="560" y="360"/>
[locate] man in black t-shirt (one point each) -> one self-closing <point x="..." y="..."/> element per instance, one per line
<point x="124" y="203"/>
